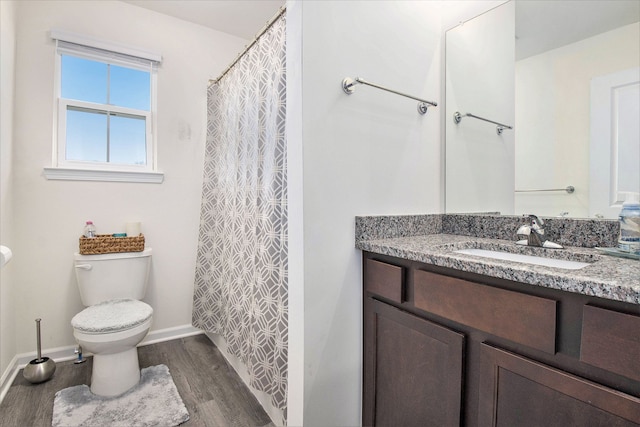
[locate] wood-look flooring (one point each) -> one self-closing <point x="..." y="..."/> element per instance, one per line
<point x="210" y="389"/>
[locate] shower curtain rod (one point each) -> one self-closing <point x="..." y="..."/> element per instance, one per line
<point x="348" y="86"/>
<point x="264" y="29"/>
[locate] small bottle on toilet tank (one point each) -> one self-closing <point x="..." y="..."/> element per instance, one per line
<point x="89" y="229"/>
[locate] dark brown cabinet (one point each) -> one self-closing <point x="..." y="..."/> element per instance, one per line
<point x="416" y="370"/>
<point x="516" y="391"/>
<point x="445" y="348"/>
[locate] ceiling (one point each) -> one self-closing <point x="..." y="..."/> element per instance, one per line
<point x="544" y="25"/>
<point x="540" y="25"/>
<point x="241" y="18"/>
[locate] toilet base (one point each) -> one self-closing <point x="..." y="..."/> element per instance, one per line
<point x="114" y="374"/>
<point x="115" y="358"/>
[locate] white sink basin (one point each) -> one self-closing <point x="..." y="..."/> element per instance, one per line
<point x="527" y="259"/>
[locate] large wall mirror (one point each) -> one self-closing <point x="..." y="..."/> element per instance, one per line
<point x="543" y="107"/>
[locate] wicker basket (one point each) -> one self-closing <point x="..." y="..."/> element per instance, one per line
<point x="107" y="244"/>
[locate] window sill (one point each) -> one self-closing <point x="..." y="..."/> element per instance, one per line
<point x="67" y="174"/>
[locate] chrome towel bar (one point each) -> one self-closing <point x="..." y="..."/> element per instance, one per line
<point x="348" y="86"/>
<point x="457" y="118"/>
<point x="570" y="189"/>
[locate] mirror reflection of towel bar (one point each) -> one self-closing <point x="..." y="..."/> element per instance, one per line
<point x="457" y="118"/>
<point x="570" y="189"/>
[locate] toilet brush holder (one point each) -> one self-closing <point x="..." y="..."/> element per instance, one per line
<point x="41" y="369"/>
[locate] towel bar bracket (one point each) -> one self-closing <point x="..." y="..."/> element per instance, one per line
<point x="348" y="85"/>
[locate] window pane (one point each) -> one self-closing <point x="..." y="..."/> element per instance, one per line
<point x="86" y="135"/>
<point x="127" y="144"/>
<point x="130" y="88"/>
<point x="84" y="80"/>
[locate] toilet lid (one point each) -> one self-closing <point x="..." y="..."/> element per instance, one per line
<point x="112" y="316"/>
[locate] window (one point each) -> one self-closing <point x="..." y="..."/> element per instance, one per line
<point x="105" y="112"/>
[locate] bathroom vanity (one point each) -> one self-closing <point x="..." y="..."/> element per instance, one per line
<point x="454" y="339"/>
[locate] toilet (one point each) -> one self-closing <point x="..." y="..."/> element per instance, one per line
<point x="115" y="320"/>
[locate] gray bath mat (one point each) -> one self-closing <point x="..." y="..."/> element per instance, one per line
<point x="153" y="402"/>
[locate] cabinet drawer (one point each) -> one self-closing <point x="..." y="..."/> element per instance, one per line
<point x="520" y="318"/>
<point x="611" y="341"/>
<point x="384" y="279"/>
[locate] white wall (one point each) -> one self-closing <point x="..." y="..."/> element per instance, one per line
<point x="295" y="191"/>
<point x="7" y="275"/>
<point x="49" y="215"/>
<point x="553" y="117"/>
<point x="480" y="80"/>
<point x="363" y="154"/>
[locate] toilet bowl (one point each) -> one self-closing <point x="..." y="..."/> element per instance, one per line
<point x="111" y="331"/>
<point x="115" y="320"/>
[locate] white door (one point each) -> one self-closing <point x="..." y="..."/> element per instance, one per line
<point x="615" y="141"/>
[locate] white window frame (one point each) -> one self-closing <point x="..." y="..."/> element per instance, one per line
<point x="106" y="52"/>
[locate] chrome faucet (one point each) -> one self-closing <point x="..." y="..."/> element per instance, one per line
<point x="532" y="234"/>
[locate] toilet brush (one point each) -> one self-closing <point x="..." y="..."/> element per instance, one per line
<point x="40" y="369"/>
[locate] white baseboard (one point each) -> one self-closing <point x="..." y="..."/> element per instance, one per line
<point x="62" y="354"/>
<point x="7" y="377"/>
<point x="169" y="334"/>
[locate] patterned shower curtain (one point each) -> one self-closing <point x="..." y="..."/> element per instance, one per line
<point x="241" y="270"/>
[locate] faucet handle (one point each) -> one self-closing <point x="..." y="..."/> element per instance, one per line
<point x="535" y="222"/>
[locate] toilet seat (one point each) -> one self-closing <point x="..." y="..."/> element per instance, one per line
<point x="112" y="316"/>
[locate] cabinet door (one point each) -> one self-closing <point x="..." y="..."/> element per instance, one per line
<point x="515" y="391"/>
<point x="413" y="370"/>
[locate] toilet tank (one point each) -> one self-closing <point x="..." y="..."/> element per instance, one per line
<point x="112" y="276"/>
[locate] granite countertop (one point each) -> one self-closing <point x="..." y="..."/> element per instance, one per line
<point x="606" y="277"/>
